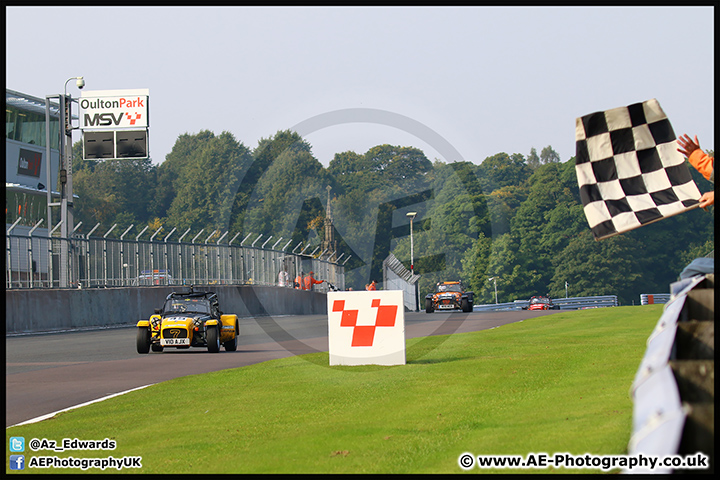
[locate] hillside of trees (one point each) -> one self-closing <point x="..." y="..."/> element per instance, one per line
<point x="513" y="217"/>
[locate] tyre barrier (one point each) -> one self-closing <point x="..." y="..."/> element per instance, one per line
<point x="673" y="391"/>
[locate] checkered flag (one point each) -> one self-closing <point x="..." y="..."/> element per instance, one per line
<point x="629" y="170"/>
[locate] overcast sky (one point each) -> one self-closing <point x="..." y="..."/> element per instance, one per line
<point x="458" y="83"/>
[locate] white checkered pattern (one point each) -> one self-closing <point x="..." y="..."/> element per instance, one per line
<point x="629" y="170"/>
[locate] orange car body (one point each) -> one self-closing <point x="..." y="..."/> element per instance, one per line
<point x="449" y="296"/>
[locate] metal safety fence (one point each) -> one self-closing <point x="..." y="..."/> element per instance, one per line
<point x="653" y="298"/>
<point x="572" y="303"/>
<point x="397" y="277"/>
<point x="34" y="261"/>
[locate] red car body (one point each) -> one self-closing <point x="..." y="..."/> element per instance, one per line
<point x="542" y="303"/>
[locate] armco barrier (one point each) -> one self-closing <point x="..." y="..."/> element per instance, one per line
<point x="572" y="303"/>
<point x="497" y="307"/>
<point x="652" y="298"/>
<point x="673" y="390"/>
<point x="575" y="303"/>
<point x="30" y="311"/>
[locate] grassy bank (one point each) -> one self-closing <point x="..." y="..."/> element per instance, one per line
<point x="558" y="383"/>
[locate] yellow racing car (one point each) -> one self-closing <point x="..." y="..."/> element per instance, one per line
<point x="191" y="319"/>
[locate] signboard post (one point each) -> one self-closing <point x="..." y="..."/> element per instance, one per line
<point x="366" y="328"/>
<point x="115" y="124"/>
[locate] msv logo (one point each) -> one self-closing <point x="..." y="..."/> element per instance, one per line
<point x="133" y="120"/>
<point x="366" y="328"/>
<point x="363" y="335"/>
<point x="102" y="119"/>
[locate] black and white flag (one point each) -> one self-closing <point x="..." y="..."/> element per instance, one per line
<point x="628" y="168"/>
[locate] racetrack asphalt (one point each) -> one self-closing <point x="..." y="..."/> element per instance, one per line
<point x="46" y="373"/>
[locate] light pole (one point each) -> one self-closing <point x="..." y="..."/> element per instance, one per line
<point x="494" y="280"/>
<point x="411" y="216"/>
<point x="566" y="285"/>
<point x="66" y="187"/>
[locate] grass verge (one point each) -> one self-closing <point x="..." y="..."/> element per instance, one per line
<point x="552" y="384"/>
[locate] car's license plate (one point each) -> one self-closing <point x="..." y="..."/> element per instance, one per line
<point x="170" y="342"/>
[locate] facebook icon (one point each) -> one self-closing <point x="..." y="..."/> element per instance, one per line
<point x="17" y="462"/>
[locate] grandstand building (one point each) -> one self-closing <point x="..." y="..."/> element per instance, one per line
<point x="25" y="162"/>
<point x="26" y="187"/>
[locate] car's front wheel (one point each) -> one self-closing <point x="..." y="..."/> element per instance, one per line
<point x="466" y="305"/>
<point x="143" y="340"/>
<point x="231" y="345"/>
<point x="429" y="306"/>
<point x="213" y="340"/>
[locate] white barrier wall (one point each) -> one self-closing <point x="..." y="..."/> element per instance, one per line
<point x="366" y="328"/>
<point x="29" y="311"/>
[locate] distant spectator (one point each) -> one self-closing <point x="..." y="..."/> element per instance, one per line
<point x="703" y="163"/>
<point x="283" y="278"/>
<point x="310" y="281"/>
<point x="371" y="286"/>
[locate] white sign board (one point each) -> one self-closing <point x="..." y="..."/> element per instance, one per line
<point x="366" y="328"/>
<point x="114" y="109"/>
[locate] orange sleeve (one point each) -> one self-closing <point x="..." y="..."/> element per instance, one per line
<point x="702" y="162"/>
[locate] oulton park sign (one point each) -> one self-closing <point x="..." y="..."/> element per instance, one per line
<point x="115" y="124"/>
<point x="114" y="109"/>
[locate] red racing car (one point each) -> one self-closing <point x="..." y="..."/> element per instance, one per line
<point x="541" y="303"/>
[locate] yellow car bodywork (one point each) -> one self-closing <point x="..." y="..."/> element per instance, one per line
<point x="184" y="329"/>
<point x="228" y="325"/>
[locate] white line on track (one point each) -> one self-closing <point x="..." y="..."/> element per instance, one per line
<point x="50" y="415"/>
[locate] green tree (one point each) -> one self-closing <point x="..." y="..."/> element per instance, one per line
<point x="533" y="161"/>
<point x="170" y="171"/>
<point x="611" y="266"/>
<point x="548" y="155"/>
<point x="453" y="221"/>
<point x="545" y="222"/>
<point x="503" y="204"/>
<point x="114" y="191"/>
<point x="502" y="170"/>
<point x="263" y="157"/>
<point x="370" y="188"/>
<point x="353" y="173"/>
<point x="284" y="194"/>
<point x="513" y="280"/>
<point x="208" y="183"/>
<point x="408" y="165"/>
<point x="475" y="264"/>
